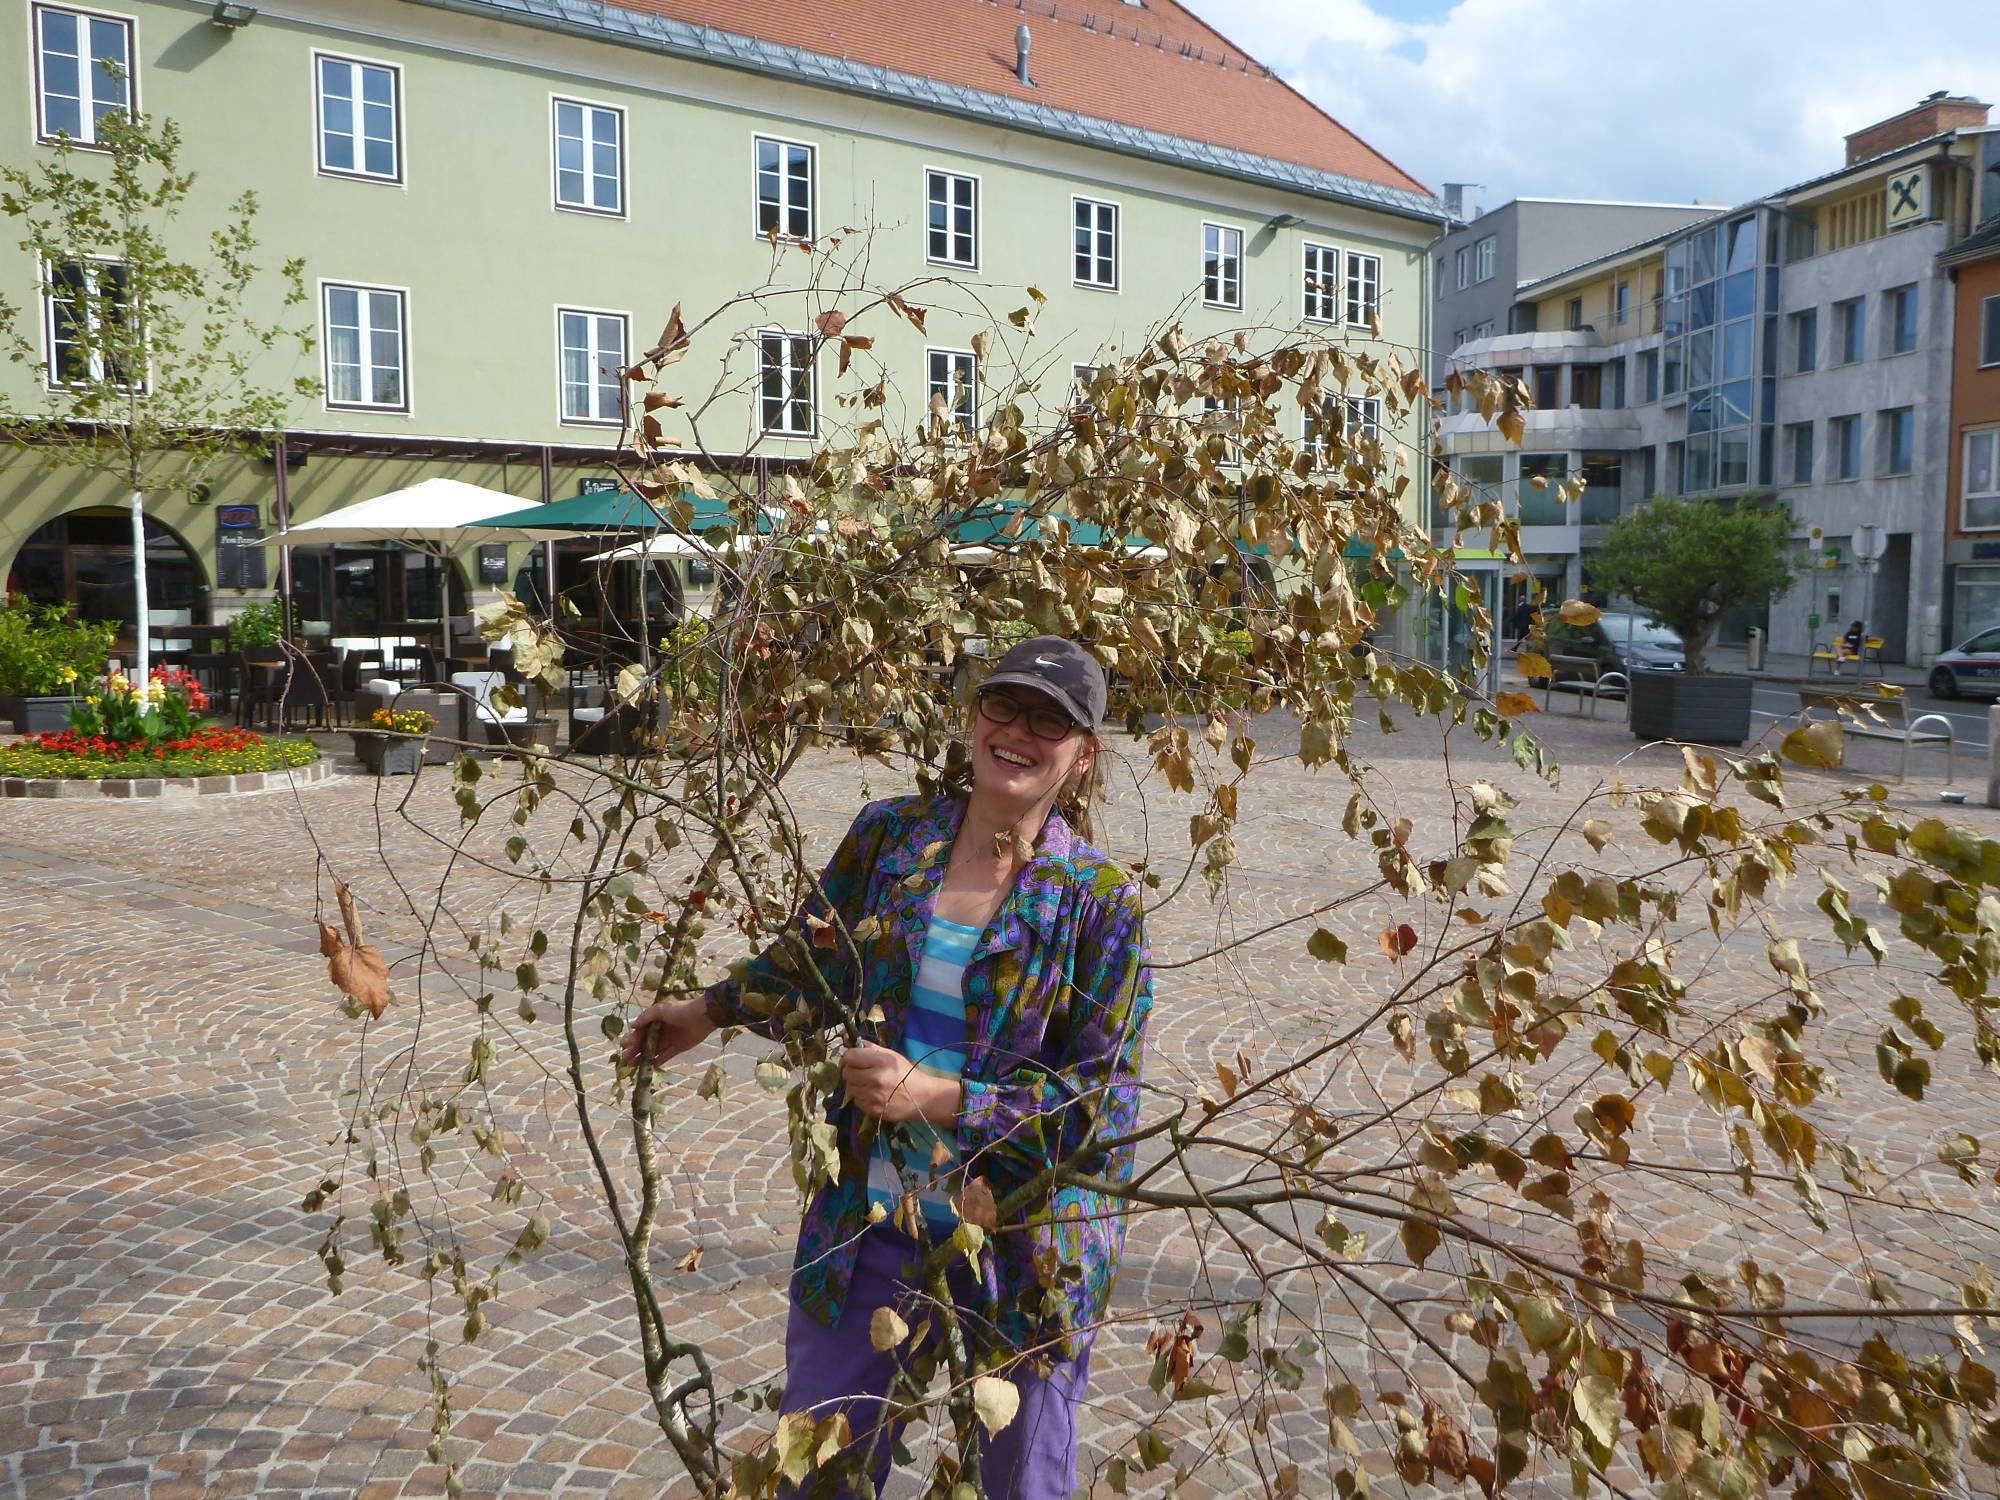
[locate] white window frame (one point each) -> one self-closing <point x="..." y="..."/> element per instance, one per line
<point x="1462" y="263"/>
<point x="1483" y="330"/>
<point x="50" y="344"/>
<point x="327" y="287"/>
<point x="1323" y="294"/>
<point x="1227" y="284"/>
<point x="1098" y="235"/>
<point x="87" y="75"/>
<point x="1080" y="376"/>
<point x="786" y="207"/>
<point x="789" y="351"/>
<point x="596" y="353"/>
<point x="358" y="172"/>
<point x="951" y="179"/>
<point x="1369" y="268"/>
<point x="957" y="362"/>
<point x="1367" y="408"/>
<point x="590" y="109"/>
<point x="1972" y="435"/>
<point x="1486" y="258"/>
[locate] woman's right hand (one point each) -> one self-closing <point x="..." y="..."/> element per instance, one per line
<point x="666" y="1030"/>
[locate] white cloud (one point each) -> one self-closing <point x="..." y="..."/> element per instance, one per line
<point x="1712" y="100"/>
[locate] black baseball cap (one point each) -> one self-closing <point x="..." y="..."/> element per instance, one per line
<point x="1059" y="667"/>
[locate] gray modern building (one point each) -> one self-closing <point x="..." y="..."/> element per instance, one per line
<point x="1793" y="350"/>
<point x="1482" y="263"/>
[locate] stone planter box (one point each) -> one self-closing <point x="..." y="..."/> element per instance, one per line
<point x="1705" y="710"/>
<point x="38" y="715"/>
<point x="389" y="754"/>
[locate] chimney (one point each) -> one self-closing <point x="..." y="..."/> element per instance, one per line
<point x="1455" y="201"/>
<point x="1023" y="43"/>
<point x="1934" y="116"/>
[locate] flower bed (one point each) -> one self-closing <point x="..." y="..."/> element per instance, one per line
<point x="73" y="755"/>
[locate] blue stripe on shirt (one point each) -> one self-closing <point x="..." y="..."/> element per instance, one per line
<point x="934" y="1038"/>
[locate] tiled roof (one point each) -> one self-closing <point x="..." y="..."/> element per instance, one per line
<point x="1154" y="77"/>
<point x="1982" y="244"/>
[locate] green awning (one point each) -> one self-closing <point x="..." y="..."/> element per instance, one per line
<point x="996" y="526"/>
<point x="603" y="512"/>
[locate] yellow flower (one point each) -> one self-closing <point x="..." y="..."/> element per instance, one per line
<point x="66" y="676"/>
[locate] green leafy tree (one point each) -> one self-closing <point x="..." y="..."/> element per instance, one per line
<point x="150" y="371"/>
<point x="1688" y="562"/>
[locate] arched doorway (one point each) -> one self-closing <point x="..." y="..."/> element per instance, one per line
<point x="85" y="558"/>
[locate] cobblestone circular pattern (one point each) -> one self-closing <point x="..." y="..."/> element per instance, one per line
<point x="167" y="788"/>
<point x="173" y="1072"/>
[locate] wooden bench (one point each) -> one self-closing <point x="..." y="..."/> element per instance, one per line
<point x="1895" y="723"/>
<point x="1589" y="678"/>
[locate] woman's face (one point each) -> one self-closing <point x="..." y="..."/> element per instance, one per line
<point x="1013" y="764"/>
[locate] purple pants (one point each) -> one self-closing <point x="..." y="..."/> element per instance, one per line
<point x="827" y="1369"/>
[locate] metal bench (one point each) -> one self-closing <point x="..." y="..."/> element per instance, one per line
<point x="1589" y="678"/>
<point x="1852" y="714"/>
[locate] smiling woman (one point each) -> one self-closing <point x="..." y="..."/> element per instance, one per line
<point x="1004" y="960"/>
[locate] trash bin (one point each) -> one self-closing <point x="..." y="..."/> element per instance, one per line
<point x="1754" y="652"/>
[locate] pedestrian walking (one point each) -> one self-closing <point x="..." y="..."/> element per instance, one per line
<point x="1522" y="623"/>
<point x="1007" y="965"/>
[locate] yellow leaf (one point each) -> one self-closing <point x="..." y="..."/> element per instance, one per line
<point x="886" y="1330"/>
<point x="995" y="1401"/>
<point x="1576" y="612"/>
<point x="1534" y="664"/>
<point x="1597" y="832"/>
<point x="1513" y="705"/>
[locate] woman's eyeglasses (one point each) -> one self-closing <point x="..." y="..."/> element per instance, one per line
<point x="1043" y="723"/>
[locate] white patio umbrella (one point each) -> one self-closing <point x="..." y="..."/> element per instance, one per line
<point x="436" y="516"/>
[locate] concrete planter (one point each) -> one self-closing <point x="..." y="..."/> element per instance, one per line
<point x="1705" y="710"/>
<point x="389" y="754"/>
<point x="38" y="715"/>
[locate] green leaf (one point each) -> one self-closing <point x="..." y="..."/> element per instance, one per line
<point x="1327" y="947"/>
<point x="1420" y="1237"/>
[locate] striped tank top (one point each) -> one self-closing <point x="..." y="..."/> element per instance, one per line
<point x="934" y="1038"/>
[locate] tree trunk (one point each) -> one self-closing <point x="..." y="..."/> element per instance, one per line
<point x="143" y="619"/>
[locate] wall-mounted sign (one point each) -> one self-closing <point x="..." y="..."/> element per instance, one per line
<point x="493" y="562"/>
<point x="598" y="487"/>
<point x="1906" y="196"/>
<point x="240" y="560"/>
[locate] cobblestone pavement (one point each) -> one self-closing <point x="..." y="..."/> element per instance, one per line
<point x="172" y="1077"/>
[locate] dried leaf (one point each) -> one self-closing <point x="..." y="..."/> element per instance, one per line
<point x="1576" y="612"/>
<point x="886" y="1331"/>
<point x="830" y="322"/>
<point x="1398" y="940"/>
<point x="689" y="1262"/>
<point x="1513" y="705"/>
<point x="995" y="1401"/>
<point x="356" y="969"/>
<point x="1597" y="832"/>
<point x="976" y="1205"/>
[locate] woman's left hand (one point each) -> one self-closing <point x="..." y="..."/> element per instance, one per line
<point x="888" y="1086"/>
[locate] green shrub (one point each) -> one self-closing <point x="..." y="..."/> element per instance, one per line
<point x="258" y="625"/>
<point x="46" y="651"/>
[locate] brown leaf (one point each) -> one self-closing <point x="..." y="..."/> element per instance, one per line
<point x="1513" y="705"/>
<point x="689" y="1261"/>
<point x="1597" y="832"/>
<point x="1398" y="940"/>
<point x="1178" y="1345"/>
<point x="657" y="399"/>
<point x="830" y="322"/>
<point x="1576" y="612"/>
<point x="356" y="969"/>
<point x="976" y="1205"/>
<point x="902" y="309"/>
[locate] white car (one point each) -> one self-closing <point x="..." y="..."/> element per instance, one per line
<point x="1971" y="668"/>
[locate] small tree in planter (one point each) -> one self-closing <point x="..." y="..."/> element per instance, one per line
<point x="1687" y="563"/>
<point x="45" y="651"/>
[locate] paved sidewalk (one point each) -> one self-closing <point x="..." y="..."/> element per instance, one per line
<point x="172" y="1068"/>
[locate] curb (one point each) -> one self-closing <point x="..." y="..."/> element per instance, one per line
<point x="169" y="788"/>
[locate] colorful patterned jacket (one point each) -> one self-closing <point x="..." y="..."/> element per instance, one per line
<point x="1057" y="994"/>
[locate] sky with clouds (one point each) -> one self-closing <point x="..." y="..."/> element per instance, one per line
<point x="1683" y="101"/>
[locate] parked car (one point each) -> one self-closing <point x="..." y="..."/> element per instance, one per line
<point x="1969" y="668"/>
<point x="1653" y="647"/>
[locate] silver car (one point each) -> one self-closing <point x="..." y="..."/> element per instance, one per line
<point x="1969" y="669"/>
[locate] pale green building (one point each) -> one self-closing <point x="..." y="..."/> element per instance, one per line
<point x="500" y="200"/>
